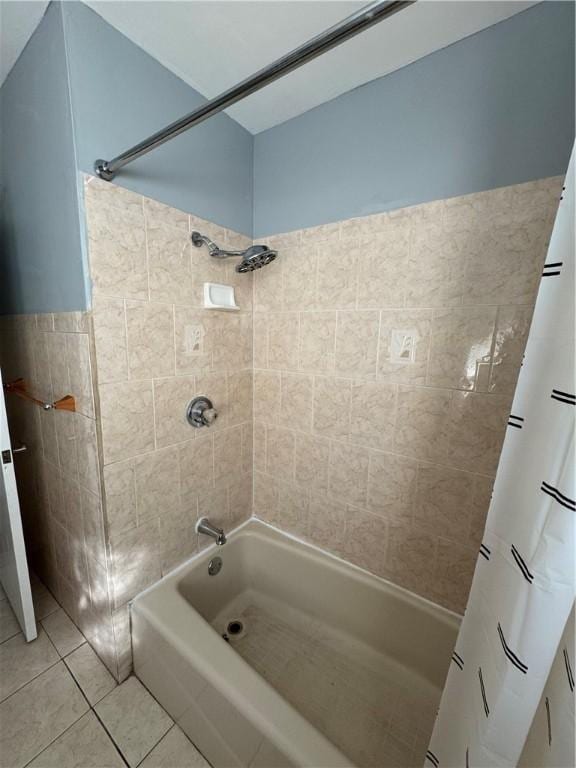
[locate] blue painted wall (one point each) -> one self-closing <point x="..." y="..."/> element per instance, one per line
<point x="41" y="266"/>
<point x="120" y="95"/>
<point x="494" y="109"/>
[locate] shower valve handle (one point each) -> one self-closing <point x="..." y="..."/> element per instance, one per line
<point x="201" y="412"/>
<point x="209" y="416"/>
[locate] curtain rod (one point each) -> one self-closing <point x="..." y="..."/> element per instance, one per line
<point x="325" y="41"/>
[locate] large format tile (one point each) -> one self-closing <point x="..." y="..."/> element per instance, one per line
<point x="62" y="632"/>
<point x="134" y="719"/>
<point x="85" y="745"/>
<point x="175" y="751"/>
<point x="8" y="622"/>
<point x="127" y="419"/>
<point x="21" y="661"/>
<point x="44" y="603"/>
<point x="90" y="674"/>
<point x="37" y="714"/>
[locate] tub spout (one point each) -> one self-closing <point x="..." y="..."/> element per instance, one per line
<point x="205" y="526"/>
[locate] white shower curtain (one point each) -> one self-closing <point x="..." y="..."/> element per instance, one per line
<point x="523" y="587"/>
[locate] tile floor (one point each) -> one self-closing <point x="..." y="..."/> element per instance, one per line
<point x="61" y="708"/>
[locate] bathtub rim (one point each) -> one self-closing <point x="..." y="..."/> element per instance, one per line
<point x="213" y="549"/>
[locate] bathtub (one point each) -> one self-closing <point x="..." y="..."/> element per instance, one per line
<point x="289" y="656"/>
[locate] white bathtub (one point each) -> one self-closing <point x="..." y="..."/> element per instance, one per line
<point x="333" y="667"/>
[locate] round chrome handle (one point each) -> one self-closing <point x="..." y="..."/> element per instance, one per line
<point x="209" y="416"/>
<point x="201" y="412"/>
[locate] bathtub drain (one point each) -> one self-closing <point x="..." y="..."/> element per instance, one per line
<point x="235" y="628"/>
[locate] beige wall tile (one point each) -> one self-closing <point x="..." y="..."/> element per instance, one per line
<point x="475" y="430"/>
<point x="503" y="265"/>
<point x="71" y="322"/>
<point x="161" y="215"/>
<point x="196" y="469"/>
<point x="435" y="269"/>
<point x="157" y="481"/>
<point x="150" y="329"/>
<point x="332" y="407"/>
<point x="348" y="473"/>
<point x="293" y="509"/>
<point x="373" y="414"/>
<point x="317" y="341"/>
<point x="366" y="540"/>
<point x="268" y="285"/>
<point x="135" y="561"/>
<point x="228" y="464"/>
<point x="481" y="496"/>
<point x="391" y="485"/>
<point x="80" y="371"/>
<point x="381" y="267"/>
<point x="312" y="456"/>
<point x="326" y="523"/>
<point x="299" y="272"/>
<point x="259" y="446"/>
<point x="93" y="524"/>
<point x="280" y="444"/>
<point x="265" y="497"/>
<point x="87" y="452"/>
<point x="443" y="501"/>
<point x="260" y="340"/>
<point x="99" y="194"/>
<point x="109" y="319"/>
<point x="460" y="347"/>
<point x="117" y="249"/>
<point x="240" y="397"/>
<point x="411" y="558"/>
<point x="267" y="396"/>
<point x="247" y="447"/>
<point x="336" y="271"/>
<point x="127" y="419"/>
<point x="171" y="399"/>
<point x="232" y="344"/>
<point x="170" y="266"/>
<point x="240" y="500"/>
<point x="296" y="401"/>
<point x="453" y="574"/>
<point x="283" y="340"/>
<point x="120" y="490"/>
<point x="394" y="365"/>
<point x="59" y="375"/>
<point x="178" y="541"/>
<point x="512" y="326"/>
<point x="420" y="422"/>
<point x="357" y="343"/>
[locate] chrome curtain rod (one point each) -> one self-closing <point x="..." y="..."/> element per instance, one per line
<point x="363" y="19"/>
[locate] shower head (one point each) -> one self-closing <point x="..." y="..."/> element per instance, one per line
<point x="252" y="258"/>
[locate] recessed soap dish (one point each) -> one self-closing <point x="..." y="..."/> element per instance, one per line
<point x="218" y="296"/>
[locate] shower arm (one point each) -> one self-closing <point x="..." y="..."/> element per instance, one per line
<point x="214" y="251"/>
<point x="349" y="27"/>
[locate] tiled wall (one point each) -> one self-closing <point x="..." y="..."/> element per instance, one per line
<point x="156" y="349"/>
<point x="386" y="461"/>
<point x="59" y="473"/>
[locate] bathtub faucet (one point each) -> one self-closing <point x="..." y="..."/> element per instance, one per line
<point x="205" y="526"/>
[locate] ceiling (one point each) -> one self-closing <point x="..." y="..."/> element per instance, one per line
<point x="18" y="20"/>
<point x="212" y="44"/>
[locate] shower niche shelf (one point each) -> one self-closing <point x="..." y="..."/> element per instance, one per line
<point x="219" y="296"/>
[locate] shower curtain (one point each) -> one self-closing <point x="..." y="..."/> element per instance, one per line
<point x="523" y="587"/>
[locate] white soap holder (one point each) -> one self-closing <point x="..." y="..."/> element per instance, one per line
<point x="218" y="296"/>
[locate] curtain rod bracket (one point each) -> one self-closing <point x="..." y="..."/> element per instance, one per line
<point x="102" y="171"/>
